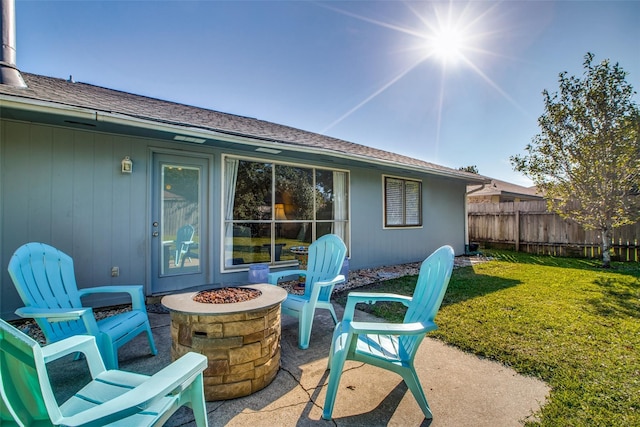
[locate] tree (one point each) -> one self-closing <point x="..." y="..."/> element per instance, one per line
<point x="587" y="156"/>
<point x="472" y="169"/>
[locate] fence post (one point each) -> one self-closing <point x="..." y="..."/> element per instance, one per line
<point x="517" y="230"/>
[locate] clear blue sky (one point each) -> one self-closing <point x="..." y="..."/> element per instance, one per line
<point x="363" y="71"/>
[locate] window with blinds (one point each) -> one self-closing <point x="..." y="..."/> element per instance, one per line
<point x="402" y="202"/>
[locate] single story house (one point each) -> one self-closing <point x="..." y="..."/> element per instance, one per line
<point x="498" y="191"/>
<point x="172" y="196"/>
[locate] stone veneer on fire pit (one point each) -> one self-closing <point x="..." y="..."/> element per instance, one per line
<point x="241" y="340"/>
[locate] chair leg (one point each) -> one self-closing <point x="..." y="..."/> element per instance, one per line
<point x="109" y="353"/>
<point x="333" y="314"/>
<point x="197" y="402"/>
<point x="305" y="322"/>
<point x="413" y="383"/>
<point x="152" y="344"/>
<point x="336" y="364"/>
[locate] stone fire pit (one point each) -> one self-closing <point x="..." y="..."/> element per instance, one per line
<point x="240" y="339"/>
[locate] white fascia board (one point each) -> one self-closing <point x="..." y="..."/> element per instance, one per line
<point x="45" y="107"/>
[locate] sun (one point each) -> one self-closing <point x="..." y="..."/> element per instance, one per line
<point x="447" y="44"/>
<point x="452" y="33"/>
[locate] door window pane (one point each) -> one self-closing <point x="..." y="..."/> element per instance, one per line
<point x="180" y="206"/>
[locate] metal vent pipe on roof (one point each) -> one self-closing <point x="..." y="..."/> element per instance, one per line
<point x="9" y="73"/>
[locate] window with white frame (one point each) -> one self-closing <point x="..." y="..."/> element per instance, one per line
<point x="402" y="202"/>
<point x="271" y="209"/>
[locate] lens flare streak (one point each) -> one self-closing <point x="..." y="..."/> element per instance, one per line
<point x="450" y="37"/>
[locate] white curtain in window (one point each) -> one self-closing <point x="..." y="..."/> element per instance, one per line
<point x="340" y="204"/>
<point x="230" y="178"/>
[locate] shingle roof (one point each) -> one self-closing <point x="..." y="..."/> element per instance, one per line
<point x="497" y="187"/>
<point x="86" y="96"/>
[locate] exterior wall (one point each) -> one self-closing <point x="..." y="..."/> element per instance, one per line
<point x="64" y="187"/>
<point x="373" y="245"/>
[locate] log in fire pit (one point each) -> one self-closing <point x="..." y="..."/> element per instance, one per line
<point x="237" y="328"/>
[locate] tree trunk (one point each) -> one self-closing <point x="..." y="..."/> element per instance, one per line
<point x="606" y="247"/>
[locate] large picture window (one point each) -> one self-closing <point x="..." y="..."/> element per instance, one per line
<point x="402" y="202"/>
<point x="271" y="208"/>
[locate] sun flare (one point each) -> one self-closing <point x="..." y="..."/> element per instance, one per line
<point x="455" y="34"/>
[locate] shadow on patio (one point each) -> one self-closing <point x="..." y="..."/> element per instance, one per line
<point x="462" y="389"/>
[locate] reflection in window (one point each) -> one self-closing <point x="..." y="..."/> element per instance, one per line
<point x="180" y="219"/>
<point x="270" y="208"/>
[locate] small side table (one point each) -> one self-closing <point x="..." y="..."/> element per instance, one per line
<point x="302" y="255"/>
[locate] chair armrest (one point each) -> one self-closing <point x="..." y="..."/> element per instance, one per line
<point x="73" y="344"/>
<point x="53" y="315"/>
<point x="175" y="377"/>
<point x="274" y="278"/>
<point x="338" y="279"/>
<point x="322" y="284"/>
<point x="415" y="328"/>
<point x="370" y="298"/>
<point x="85" y="344"/>
<point x="134" y="291"/>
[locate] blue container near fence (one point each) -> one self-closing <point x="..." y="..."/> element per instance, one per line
<point x="258" y="273"/>
<point x="345" y="269"/>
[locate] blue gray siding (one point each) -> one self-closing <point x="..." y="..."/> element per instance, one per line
<point x="63" y="187"/>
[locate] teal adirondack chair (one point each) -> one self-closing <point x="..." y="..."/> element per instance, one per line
<point x="391" y="346"/>
<point x="45" y="280"/>
<point x="326" y="256"/>
<point x="184" y="241"/>
<point x="112" y="397"/>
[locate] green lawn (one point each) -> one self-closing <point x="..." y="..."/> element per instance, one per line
<point x="566" y="321"/>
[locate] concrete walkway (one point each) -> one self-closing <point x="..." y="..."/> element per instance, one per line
<point x="463" y="390"/>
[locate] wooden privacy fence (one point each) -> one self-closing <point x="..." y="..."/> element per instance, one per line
<point x="529" y="227"/>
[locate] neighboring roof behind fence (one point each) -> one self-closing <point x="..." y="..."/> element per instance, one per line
<point x="504" y="190"/>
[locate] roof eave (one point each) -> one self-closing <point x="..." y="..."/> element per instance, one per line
<point x="91" y="114"/>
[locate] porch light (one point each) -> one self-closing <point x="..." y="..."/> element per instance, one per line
<point x="127" y="165"/>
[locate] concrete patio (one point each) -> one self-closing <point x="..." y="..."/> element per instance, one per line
<point x="462" y="389"/>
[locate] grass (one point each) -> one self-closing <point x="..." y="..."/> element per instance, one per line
<point x="566" y="321"/>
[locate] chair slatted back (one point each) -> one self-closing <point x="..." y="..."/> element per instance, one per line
<point x="433" y="280"/>
<point x="44" y="277"/>
<point x="22" y="392"/>
<point x="184" y="234"/>
<point x="326" y="256"/>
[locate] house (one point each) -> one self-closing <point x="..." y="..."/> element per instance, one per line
<point x="500" y="191"/>
<point x="111" y="177"/>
